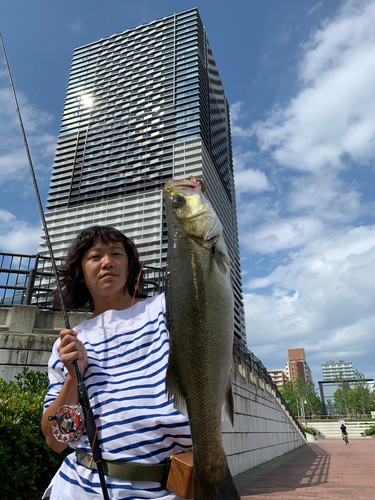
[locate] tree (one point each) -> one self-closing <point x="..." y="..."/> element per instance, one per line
<point x="363" y="398"/>
<point x="302" y="397"/>
<point x="310" y="401"/>
<point x="341" y="396"/>
<point x="290" y="396"/>
<point x="353" y="400"/>
<point x="330" y="408"/>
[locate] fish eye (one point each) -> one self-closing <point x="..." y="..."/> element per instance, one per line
<point x="178" y="201"/>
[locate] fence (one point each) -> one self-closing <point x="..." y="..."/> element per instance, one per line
<point x="27" y="279"/>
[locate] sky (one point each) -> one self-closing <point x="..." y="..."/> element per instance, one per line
<point x="300" y="81"/>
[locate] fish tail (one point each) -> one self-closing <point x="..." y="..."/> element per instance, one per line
<point x="219" y="486"/>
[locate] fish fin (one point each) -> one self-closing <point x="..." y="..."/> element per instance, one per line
<point x="173" y="390"/>
<point x="220" y="486"/>
<point x="221" y="259"/>
<point x="229" y="404"/>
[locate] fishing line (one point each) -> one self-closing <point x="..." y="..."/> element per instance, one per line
<point x="91" y="430"/>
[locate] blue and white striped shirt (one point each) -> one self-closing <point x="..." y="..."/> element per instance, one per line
<point x="125" y="377"/>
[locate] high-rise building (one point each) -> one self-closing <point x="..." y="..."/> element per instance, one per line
<point x="333" y="369"/>
<point x="297" y="366"/>
<point x="143" y="107"/>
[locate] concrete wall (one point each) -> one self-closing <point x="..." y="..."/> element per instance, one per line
<point x="27" y="335"/>
<point x="262" y="430"/>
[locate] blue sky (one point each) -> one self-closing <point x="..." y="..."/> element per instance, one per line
<point x="300" y="80"/>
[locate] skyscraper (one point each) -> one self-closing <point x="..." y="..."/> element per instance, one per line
<point x="297" y="366"/>
<point x="143" y="107"/>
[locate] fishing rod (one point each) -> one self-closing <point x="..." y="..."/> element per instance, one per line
<point x="91" y="429"/>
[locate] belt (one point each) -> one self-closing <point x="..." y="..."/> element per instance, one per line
<point x="127" y="471"/>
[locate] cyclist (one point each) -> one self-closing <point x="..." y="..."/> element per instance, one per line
<point x="344" y="433"/>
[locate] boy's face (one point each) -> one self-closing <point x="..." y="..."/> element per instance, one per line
<point x="105" y="269"/>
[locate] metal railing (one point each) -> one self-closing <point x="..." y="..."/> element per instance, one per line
<point x="28" y="279"/>
<point x="344" y="416"/>
<point x="24" y="279"/>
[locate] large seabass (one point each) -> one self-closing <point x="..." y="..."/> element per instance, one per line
<point x="200" y="309"/>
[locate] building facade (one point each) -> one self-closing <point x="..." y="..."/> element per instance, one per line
<point x="297" y="366"/>
<point x="143" y="107"/>
<point x="278" y="376"/>
<point x="333" y="369"/>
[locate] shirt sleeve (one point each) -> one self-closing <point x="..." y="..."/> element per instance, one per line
<point x="57" y="374"/>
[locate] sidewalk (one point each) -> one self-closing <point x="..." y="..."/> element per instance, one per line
<point x="326" y="469"/>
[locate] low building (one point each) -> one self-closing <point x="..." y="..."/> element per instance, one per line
<point x="278" y="376"/>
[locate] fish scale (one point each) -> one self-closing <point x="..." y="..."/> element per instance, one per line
<point x="200" y="309"/>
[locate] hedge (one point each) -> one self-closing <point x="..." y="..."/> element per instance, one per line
<point x="27" y="464"/>
<point x="309" y="430"/>
<point x="370" y="431"/>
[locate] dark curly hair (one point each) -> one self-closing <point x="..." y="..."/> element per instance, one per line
<point x="74" y="291"/>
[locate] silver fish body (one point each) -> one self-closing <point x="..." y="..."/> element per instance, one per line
<point x="200" y="310"/>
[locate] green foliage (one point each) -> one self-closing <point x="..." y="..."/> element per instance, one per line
<point x="290" y="395"/>
<point x="32" y="381"/>
<point x="349" y="400"/>
<point x="370" y="431"/>
<point x="302" y="397"/>
<point x="26" y="462"/>
<point x="309" y="430"/>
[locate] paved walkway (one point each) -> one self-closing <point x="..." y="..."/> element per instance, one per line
<point x="325" y="469"/>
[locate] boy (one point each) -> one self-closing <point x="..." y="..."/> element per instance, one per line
<point x="122" y="351"/>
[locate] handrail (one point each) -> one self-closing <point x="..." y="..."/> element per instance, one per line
<point x="243" y="356"/>
<point x="28" y="279"/>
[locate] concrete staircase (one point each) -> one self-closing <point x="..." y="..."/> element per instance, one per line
<point x="330" y="429"/>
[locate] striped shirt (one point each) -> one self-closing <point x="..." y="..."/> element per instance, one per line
<point x="125" y="378"/>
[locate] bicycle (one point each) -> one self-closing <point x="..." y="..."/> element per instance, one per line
<point x="345" y="438"/>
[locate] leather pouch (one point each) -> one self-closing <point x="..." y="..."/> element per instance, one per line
<point x="180" y="477"/>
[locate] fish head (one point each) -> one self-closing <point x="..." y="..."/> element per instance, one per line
<point x="189" y="213"/>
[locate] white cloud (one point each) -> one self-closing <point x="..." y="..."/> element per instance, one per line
<point x="6" y="216"/>
<point x="323" y="299"/>
<point x="18" y="236"/>
<point x="313" y="9"/>
<point x="76" y="26"/>
<point x="316" y="228"/>
<point x="332" y="115"/>
<point x="251" y="180"/>
<point x="325" y="197"/>
<point x="14" y="165"/>
<point x="248" y="179"/>
<point x="236" y="113"/>
<point x="277" y="235"/>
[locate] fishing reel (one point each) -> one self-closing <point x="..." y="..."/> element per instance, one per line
<point x="67" y="423"/>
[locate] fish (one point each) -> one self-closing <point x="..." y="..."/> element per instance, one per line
<point x="200" y="319"/>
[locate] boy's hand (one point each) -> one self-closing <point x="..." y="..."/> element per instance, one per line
<point x="70" y="349"/>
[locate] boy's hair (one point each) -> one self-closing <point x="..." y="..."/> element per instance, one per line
<point x="75" y="292"/>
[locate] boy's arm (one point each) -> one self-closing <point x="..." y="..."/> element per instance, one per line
<point x="70" y="349"/>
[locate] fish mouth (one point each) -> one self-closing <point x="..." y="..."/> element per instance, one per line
<point x="192" y="183"/>
<point x="204" y="211"/>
